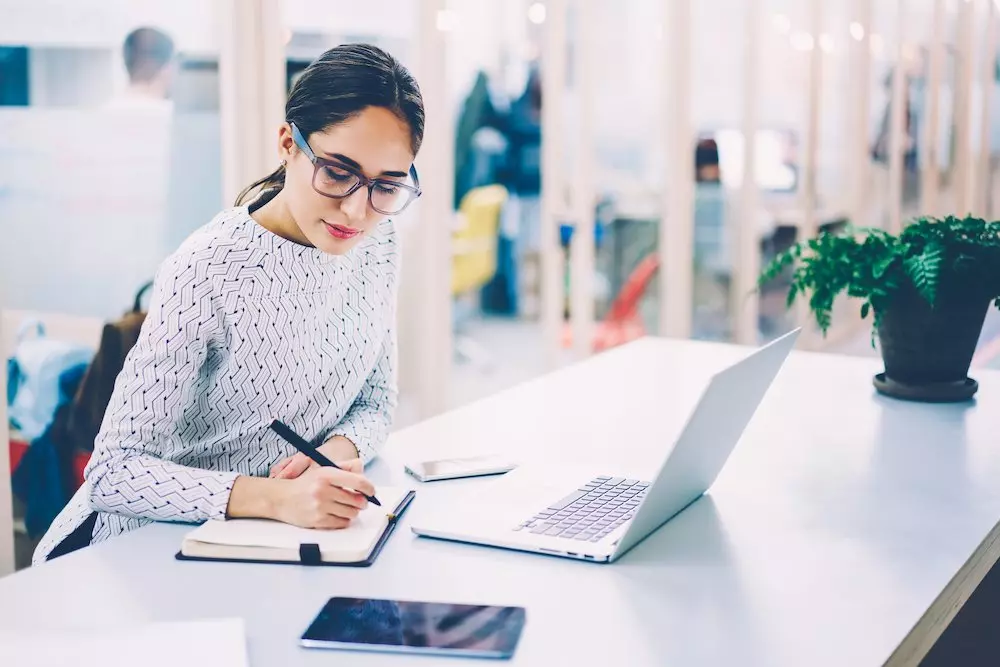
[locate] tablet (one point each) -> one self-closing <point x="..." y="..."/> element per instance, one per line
<point x="399" y="626"/>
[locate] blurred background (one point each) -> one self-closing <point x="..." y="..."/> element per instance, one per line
<point x="594" y="170"/>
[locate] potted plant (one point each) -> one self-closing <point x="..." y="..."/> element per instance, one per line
<point x="928" y="290"/>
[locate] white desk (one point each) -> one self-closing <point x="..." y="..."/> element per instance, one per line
<point x="845" y="528"/>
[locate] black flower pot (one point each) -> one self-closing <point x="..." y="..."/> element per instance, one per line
<point x="927" y="351"/>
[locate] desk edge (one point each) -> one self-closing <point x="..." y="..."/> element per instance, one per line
<point x="922" y="637"/>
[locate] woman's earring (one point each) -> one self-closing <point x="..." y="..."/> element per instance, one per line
<point x="283" y="163"/>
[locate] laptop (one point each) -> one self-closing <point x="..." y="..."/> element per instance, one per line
<point x="594" y="516"/>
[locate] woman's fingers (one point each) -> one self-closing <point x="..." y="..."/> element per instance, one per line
<point x="351" y="465"/>
<point x="280" y="465"/>
<point x="295" y="467"/>
<point x="349" y="480"/>
<point x="349" y="498"/>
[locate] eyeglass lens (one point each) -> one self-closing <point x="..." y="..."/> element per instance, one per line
<point x="386" y="196"/>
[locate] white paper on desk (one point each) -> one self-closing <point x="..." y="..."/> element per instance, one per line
<point x="203" y="643"/>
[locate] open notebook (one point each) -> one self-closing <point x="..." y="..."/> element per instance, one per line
<point x="262" y="540"/>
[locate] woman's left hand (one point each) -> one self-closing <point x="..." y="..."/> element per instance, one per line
<point x="292" y="466"/>
<point x="338" y="448"/>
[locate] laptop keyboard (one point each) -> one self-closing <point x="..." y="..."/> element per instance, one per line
<point x="590" y="513"/>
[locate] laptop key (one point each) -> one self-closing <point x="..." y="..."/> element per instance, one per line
<point x="567" y="501"/>
<point x="540" y="528"/>
<point x="555" y="530"/>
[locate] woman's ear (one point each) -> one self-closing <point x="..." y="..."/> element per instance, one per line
<point x="286" y="144"/>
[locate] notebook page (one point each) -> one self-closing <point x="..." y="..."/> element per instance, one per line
<point x="203" y="643"/>
<point x="363" y="532"/>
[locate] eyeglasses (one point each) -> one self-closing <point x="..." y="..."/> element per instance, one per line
<point x="337" y="180"/>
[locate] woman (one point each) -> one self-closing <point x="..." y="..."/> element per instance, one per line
<point x="282" y="307"/>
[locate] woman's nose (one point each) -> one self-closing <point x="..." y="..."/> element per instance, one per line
<point x="355" y="205"/>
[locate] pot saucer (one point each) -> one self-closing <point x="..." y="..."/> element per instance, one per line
<point x="940" y="392"/>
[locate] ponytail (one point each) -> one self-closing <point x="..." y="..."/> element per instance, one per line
<point x="273" y="181"/>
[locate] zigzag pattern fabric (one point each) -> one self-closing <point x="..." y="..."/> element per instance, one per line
<point x="243" y="327"/>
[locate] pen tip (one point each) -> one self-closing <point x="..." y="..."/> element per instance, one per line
<point x="374" y="501"/>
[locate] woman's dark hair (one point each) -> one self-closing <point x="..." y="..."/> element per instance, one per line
<point x="338" y="86"/>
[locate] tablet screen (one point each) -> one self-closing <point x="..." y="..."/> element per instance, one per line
<point x="416" y="627"/>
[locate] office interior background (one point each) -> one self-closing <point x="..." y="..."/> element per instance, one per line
<point x="586" y="168"/>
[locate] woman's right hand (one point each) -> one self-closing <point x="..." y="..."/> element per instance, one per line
<point x="324" y="497"/>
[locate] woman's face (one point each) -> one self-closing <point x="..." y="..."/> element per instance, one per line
<point x="375" y="144"/>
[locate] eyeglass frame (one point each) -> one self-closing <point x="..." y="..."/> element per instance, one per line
<point x="363" y="181"/>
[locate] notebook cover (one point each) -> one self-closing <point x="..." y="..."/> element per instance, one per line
<point x="391" y="526"/>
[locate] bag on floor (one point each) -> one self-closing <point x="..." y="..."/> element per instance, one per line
<point x="34" y="391"/>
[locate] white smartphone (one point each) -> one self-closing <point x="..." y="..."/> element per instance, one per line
<point x="457" y="468"/>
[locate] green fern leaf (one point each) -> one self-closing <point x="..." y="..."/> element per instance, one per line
<point x="792" y="293"/>
<point x="880" y="267"/>
<point x="925" y="270"/>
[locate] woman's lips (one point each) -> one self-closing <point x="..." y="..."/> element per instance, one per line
<point x="340" y="231"/>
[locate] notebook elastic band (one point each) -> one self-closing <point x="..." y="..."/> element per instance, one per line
<point x="309" y="554"/>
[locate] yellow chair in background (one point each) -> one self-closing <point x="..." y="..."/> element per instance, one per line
<point x="474" y="259"/>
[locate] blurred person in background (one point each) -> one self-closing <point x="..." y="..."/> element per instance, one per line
<point x="148" y="54"/>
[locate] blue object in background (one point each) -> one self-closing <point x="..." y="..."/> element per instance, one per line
<point x="566" y="234"/>
<point x="38" y="480"/>
<point x="499" y="295"/>
<point x="33" y="372"/>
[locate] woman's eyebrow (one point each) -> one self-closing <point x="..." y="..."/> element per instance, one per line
<point x="351" y="163"/>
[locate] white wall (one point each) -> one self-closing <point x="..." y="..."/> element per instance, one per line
<point x="70" y="77"/>
<point x="82" y="207"/>
<point x="193" y="24"/>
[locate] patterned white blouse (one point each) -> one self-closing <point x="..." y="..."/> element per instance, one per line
<point x="243" y="327"/>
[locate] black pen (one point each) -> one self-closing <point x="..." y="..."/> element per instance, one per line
<point x="300" y="443"/>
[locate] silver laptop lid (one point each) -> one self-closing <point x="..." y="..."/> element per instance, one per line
<point x="709" y="437"/>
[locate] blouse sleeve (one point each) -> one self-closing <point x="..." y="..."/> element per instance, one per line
<point x="129" y="472"/>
